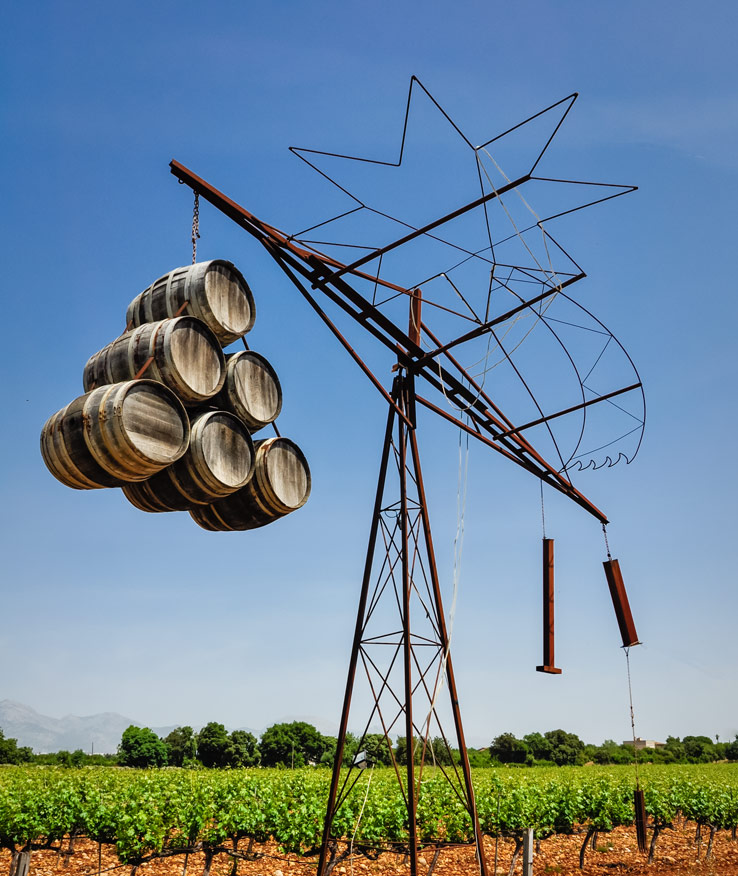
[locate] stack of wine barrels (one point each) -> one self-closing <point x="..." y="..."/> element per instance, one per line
<point x="168" y="417"/>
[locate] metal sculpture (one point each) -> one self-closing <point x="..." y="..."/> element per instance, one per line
<point x="480" y="298"/>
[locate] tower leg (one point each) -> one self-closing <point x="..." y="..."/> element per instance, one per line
<point x="407" y="644"/>
<point x="401" y="578"/>
<point x="466" y="769"/>
<point x="360" y="616"/>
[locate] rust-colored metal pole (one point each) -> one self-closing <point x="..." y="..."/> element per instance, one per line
<point x="620" y="603"/>
<point x="402" y="435"/>
<point x="548" y="609"/>
<point x="358" y="632"/>
<point x="443" y="635"/>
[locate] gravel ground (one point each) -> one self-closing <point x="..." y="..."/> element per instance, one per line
<point x="616" y="853"/>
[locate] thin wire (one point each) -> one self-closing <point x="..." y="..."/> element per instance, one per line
<point x="607" y="545"/>
<point x="549" y="273"/>
<point x="461" y="490"/>
<point x="543" y="512"/>
<point x="358" y="821"/>
<point x="632" y="717"/>
<point x="553" y="276"/>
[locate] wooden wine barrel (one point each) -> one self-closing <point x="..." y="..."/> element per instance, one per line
<point x="280" y="485"/>
<point x="186" y="357"/>
<point x="251" y="390"/>
<point x="219" y="461"/>
<point x="217" y="294"/>
<point x="115" y="434"/>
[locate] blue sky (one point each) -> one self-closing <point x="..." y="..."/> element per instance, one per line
<point x="107" y="608"/>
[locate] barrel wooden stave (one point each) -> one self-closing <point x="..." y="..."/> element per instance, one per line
<point x="115" y="434"/>
<point x="219" y="461"/>
<point x="185" y="356"/>
<point x="66" y="453"/>
<point x="251" y="390"/>
<point x="213" y="291"/>
<point x="280" y="485"/>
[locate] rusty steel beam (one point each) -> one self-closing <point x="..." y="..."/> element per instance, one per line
<point x="407" y="585"/>
<point x="341" y="339"/>
<point x="450" y="677"/>
<point x="358" y="632"/>
<point x="519" y="459"/>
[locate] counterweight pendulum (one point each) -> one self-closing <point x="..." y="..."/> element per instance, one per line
<point x="548" y="664"/>
<point x="630" y="639"/>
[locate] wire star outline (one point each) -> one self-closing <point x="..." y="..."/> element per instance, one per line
<point x="504" y="277"/>
<point x="481" y="155"/>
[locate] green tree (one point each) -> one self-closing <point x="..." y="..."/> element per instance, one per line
<point x="611" y="752"/>
<point x="295" y="744"/>
<point x="378" y="749"/>
<point x="478" y="757"/>
<point x="181" y="746"/>
<point x="441" y="753"/>
<point x="401" y="749"/>
<point x="699" y="749"/>
<point x="330" y="743"/>
<point x="10" y="752"/>
<point x="77" y="757"/>
<point x="140" y="747"/>
<point x="731" y="749"/>
<point x="566" y="748"/>
<point x="243" y="749"/>
<point x="350" y="750"/>
<point x="213" y="745"/>
<point x="507" y="748"/>
<point x="674" y="750"/>
<point x="538" y="746"/>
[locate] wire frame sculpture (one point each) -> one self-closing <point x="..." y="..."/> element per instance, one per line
<point x="512" y="359"/>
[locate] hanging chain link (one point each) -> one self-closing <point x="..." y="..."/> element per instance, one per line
<point x="607" y="546"/>
<point x="195" y="226"/>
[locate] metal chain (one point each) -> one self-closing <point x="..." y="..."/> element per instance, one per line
<point x="195" y="227"/>
<point x="607" y="546"/>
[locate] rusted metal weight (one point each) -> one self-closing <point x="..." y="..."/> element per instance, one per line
<point x="548" y="609"/>
<point x="620" y="603"/>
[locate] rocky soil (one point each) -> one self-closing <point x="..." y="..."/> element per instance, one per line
<point x="676" y="854"/>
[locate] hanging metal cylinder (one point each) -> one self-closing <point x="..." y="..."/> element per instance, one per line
<point x="548" y="609"/>
<point x="620" y="603"/>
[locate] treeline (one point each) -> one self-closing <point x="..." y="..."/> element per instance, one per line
<point x="566" y="749"/>
<point x="292" y="745"/>
<point x="298" y="744"/>
<point x="12" y="753"/>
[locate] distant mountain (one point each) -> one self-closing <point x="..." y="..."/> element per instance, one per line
<point x="44" y="734"/>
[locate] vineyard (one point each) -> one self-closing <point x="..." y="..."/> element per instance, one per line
<point x="242" y="815"/>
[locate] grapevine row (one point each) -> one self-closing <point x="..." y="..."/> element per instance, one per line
<point x="146" y="814"/>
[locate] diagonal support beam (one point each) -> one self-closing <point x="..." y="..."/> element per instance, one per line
<point x="316" y="269"/>
<point x="592" y="401"/>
